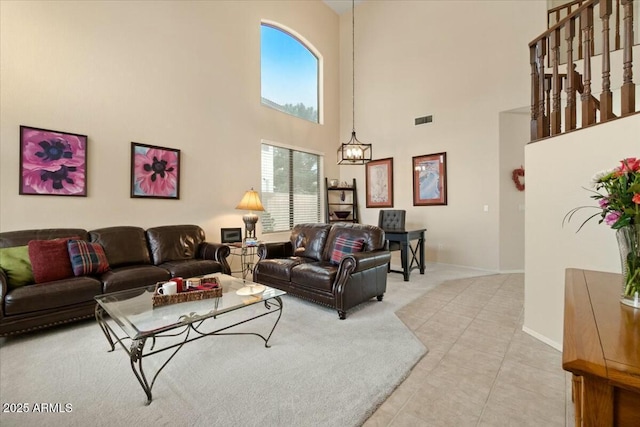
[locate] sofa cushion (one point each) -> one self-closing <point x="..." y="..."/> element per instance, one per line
<point x="23" y="237"/>
<point x="316" y="275"/>
<point x="45" y="296"/>
<point x="308" y="240"/>
<point x="132" y="276"/>
<point x="279" y="268"/>
<point x="50" y="259"/>
<point x="123" y="245"/>
<point x="372" y="236"/>
<point x="87" y="258"/>
<point x="191" y="267"/>
<point x="345" y="246"/>
<point x="17" y="266"/>
<point x="174" y="242"/>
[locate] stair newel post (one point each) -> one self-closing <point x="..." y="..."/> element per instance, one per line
<point x="534" y="93"/>
<point x="588" y="106"/>
<point x="542" y="123"/>
<point x="556" y="114"/>
<point x="628" y="93"/>
<point x="606" y="98"/>
<point x="570" y="109"/>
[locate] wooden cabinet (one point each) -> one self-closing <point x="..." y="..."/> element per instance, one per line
<point x="341" y="199"/>
<point x="601" y="347"/>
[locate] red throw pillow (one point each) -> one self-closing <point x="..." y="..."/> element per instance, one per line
<point x="50" y="259"/>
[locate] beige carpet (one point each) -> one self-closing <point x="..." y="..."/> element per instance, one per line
<point x="320" y="371"/>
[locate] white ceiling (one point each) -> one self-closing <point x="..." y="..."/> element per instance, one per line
<point x="341" y="6"/>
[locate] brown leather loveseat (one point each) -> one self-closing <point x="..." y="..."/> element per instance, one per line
<point x="136" y="257"/>
<point x="314" y="265"/>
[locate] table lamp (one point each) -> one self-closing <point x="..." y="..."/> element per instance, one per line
<point x="250" y="202"/>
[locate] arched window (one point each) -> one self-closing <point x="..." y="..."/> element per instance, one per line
<point x="289" y="73"/>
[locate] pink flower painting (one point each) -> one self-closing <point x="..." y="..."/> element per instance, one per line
<point x="52" y="162"/>
<point x="155" y="171"/>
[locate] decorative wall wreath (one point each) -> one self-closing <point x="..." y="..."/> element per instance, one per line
<point x="515" y="176"/>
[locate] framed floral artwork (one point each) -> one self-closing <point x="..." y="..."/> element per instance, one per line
<point x="52" y="163"/>
<point x="430" y="179"/>
<point x="379" y="183"/>
<point x="155" y="172"/>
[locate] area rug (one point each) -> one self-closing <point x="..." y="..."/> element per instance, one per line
<point x="319" y="371"/>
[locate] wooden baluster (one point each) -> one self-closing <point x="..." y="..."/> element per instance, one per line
<point x="606" y="98"/>
<point x="617" y="39"/>
<point x="580" y="53"/>
<point x="542" y="123"/>
<point x="588" y="106"/>
<point x="570" y="109"/>
<point x="556" y="114"/>
<point x="534" y="93"/>
<point x="628" y="95"/>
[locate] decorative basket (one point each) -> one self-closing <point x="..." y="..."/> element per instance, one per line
<point x="194" y="294"/>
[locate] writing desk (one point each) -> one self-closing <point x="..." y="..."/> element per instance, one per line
<point x="404" y="237"/>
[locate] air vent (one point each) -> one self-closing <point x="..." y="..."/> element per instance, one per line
<point x="423" y="120"/>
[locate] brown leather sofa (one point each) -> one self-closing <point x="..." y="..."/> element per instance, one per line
<point x="136" y="257"/>
<point x="302" y="266"/>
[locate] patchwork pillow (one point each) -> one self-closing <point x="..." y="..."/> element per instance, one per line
<point x="15" y="263"/>
<point x="87" y="258"/>
<point x="345" y="246"/>
<point x="50" y="259"/>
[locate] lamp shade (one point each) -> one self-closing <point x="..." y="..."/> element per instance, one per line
<point x="250" y="201"/>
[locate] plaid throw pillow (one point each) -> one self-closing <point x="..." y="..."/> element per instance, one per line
<point x="87" y="258"/>
<point x="345" y="246"/>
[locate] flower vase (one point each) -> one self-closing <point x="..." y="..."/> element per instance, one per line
<point x="629" y="244"/>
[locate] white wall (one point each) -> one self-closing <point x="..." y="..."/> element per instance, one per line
<point x="514" y="135"/>
<point x="559" y="172"/>
<point x="462" y="62"/>
<point x="178" y="74"/>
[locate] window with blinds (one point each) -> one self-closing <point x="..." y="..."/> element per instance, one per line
<point x="290" y="188"/>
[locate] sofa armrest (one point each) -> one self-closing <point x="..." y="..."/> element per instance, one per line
<point x="275" y="250"/>
<point x="216" y="252"/>
<point x="361" y="261"/>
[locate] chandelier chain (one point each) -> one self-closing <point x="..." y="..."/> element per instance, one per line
<point x="353" y="66"/>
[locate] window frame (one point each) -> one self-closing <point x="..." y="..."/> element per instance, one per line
<point x="291" y="148"/>
<point x="320" y="68"/>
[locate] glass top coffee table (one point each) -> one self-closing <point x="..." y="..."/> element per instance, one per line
<point x="133" y="314"/>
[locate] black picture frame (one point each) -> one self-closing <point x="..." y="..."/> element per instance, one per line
<point x="155" y="172"/>
<point x="231" y="235"/>
<point x="52" y="163"/>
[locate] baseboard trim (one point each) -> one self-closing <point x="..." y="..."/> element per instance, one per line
<point x="511" y="271"/>
<point x="542" y="338"/>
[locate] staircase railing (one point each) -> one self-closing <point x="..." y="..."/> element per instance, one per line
<point x="546" y="109"/>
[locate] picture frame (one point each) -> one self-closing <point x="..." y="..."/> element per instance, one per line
<point x="52" y="163"/>
<point x="430" y="179"/>
<point x="379" y="183"/>
<point x="231" y="235"/>
<point x="155" y="172"/>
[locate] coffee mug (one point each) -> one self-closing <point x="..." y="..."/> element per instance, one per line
<point x="169" y="288"/>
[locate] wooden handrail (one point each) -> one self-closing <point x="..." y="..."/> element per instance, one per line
<point x="546" y="109"/>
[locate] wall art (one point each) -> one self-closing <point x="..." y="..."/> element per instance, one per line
<point x="52" y="163"/>
<point x="155" y="172"/>
<point x="379" y="183"/>
<point x="430" y="179"/>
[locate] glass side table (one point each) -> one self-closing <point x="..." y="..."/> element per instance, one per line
<point x="247" y="253"/>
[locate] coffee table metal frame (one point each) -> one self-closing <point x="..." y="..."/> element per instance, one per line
<point x="187" y="324"/>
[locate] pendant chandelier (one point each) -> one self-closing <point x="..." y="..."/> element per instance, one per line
<point x="353" y="152"/>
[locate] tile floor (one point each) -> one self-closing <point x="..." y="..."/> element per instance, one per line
<point x="481" y="369"/>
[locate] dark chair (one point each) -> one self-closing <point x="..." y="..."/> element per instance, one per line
<point x="392" y="219"/>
